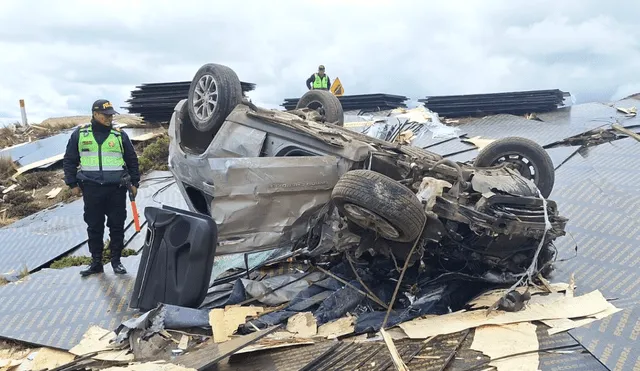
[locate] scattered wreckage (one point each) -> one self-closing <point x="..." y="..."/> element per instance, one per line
<point x="368" y="236"/>
<point x="298" y="180"/>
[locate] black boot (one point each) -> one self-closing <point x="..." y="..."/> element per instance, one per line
<point x="93" y="268"/>
<point x="117" y="266"/>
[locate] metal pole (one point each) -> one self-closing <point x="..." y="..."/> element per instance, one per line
<point x="23" y="112"/>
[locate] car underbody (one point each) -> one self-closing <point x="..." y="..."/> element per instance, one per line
<point x="299" y="181"/>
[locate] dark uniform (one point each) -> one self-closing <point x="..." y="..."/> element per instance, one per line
<point x="317" y="82"/>
<point x="106" y="160"/>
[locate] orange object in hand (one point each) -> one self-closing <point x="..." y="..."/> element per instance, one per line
<point x="136" y="221"/>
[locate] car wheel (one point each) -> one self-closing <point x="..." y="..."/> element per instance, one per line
<point x="214" y="92"/>
<point x="191" y="139"/>
<point x="323" y="100"/>
<point x="376" y="202"/>
<point x="526" y="156"/>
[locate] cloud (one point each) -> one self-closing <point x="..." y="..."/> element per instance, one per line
<point x="71" y="52"/>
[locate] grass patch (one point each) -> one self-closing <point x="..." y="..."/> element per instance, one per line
<point x="65" y="195"/>
<point x="17" y="198"/>
<point x="74" y="261"/>
<point x="45" y="130"/>
<point x="20" y="204"/>
<point x="155" y="155"/>
<point x="7" y="168"/>
<point x="36" y="179"/>
<point x="9" y="136"/>
<point x="5" y="220"/>
<point x="24" y="272"/>
<point x="23" y="210"/>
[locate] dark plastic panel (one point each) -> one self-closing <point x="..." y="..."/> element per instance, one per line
<point x="177" y="258"/>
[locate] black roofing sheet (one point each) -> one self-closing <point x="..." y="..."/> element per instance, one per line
<point x="54" y="308"/>
<point x="527" y="93"/>
<point x="558" y="155"/>
<point x="451" y="147"/>
<point x="587" y="116"/>
<point x="596" y="190"/>
<point x="558" y="127"/>
<point x="38" y="150"/>
<point x="155" y="101"/>
<point x="41" y="149"/>
<point x="379" y="101"/>
<point x="170" y="196"/>
<point x="42" y="237"/>
<point x="509" y="102"/>
<point x="362" y="97"/>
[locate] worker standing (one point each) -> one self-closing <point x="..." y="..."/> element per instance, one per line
<point x="319" y="80"/>
<point x="107" y="161"/>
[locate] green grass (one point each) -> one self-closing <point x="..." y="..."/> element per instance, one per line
<point x="7" y="168"/>
<point x="155" y="156"/>
<point x="34" y="180"/>
<point x="22" y="274"/>
<point x="74" y="261"/>
<point x="17" y="198"/>
<point x="21" y="204"/>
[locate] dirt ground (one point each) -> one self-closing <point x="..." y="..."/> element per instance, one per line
<point x="13" y="350"/>
<point x="18" y="133"/>
<point x="30" y="196"/>
<point x="31" y="192"/>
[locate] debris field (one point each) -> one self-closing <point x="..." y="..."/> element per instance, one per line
<point x="318" y="238"/>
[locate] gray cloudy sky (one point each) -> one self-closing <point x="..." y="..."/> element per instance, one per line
<point x="62" y="55"/>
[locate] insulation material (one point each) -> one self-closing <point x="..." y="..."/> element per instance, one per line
<point x="564" y="324"/>
<point x="54" y="193"/>
<point x="150" y="366"/>
<point x="303" y="325"/>
<point x="339" y="327"/>
<point x="47" y="359"/>
<point x="501" y="341"/>
<point x="224" y="322"/>
<point x="97" y="339"/>
<point x="479" y="142"/>
<point x="487" y="299"/>
<point x="564" y="307"/>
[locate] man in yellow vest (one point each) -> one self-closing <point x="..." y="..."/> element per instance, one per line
<point x="319" y="80"/>
<point x="106" y="160"/>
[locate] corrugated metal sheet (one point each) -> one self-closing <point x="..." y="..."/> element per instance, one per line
<point x="155" y="101"/>
<point x="511" y="102"/>
<point x="40" y="238"/>
<point x="597" y="191"/>
<point x="55" y="307"/>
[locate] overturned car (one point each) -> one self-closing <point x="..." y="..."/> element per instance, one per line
<point x="299" y="180"/>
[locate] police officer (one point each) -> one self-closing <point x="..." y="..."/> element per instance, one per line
<point x="319" y="80"/>
<point x="107" y="161"/>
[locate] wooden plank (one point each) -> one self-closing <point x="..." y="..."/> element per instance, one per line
<point x="47" y="161"/>
<point x="212" y="353"/>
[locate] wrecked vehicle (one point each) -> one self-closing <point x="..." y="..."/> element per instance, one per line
<point x="298" y="180"/>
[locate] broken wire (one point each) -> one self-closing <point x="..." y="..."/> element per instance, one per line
<point x="532" y="270"/>
<point x="362" y="282"/>
<point x="486" y="363"/>
<point x="404" y="269"/>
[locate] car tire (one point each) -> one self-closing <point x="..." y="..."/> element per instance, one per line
<point x="363" y="196"/>
<point x="538" y="160"/>
<point x="325" y="99"/>
<point x="191" y="139"/>
<point x="213" y="79"/>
